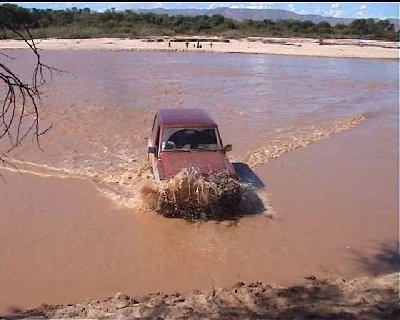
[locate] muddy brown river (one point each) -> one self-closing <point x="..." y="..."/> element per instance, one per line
<point x="72" y="226"/>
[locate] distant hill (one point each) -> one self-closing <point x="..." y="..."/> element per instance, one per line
<point x="258" y="14"/>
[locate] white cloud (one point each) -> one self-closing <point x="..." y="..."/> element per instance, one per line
<point x="305" y="11"/>
<point x="212" y="5"/>
<point x="335" y="10"/>
<point x="130" y="5"/>
<point x="247" y="5"/>
<point x="236" y="5"/>
<point x="362" y="11"/>
<point x="256" y="5"/>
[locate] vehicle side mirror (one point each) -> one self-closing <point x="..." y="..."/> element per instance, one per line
<point x="152" y="150"/>
<point x="228" y="148"/>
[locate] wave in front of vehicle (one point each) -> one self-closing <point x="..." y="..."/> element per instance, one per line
<point x="191" y="196"/>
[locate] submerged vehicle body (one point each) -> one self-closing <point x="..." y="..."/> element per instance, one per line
<point x="187" y="139"/>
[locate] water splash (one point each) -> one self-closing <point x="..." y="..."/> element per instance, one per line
<point x="191" y="196"/>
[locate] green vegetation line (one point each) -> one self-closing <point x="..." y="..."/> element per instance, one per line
<point x="83" y="23"/>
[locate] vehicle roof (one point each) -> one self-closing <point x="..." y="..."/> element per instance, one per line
<point x="184" y="117"/>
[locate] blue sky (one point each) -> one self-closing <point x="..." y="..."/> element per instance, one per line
<point x="331" y="9"/>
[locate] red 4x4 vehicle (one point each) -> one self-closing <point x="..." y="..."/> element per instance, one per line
<point x="187" y="138"/>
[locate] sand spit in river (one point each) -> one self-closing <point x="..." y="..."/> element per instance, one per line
<point x="351" y="48"/>
<point x="356" y="298"/>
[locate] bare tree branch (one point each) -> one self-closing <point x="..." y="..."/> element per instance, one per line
<point x="21" y="102"/>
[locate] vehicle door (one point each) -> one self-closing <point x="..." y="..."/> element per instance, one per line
<point x="154" y="145"/>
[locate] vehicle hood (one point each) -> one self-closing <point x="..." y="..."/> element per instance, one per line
<point x="206" y="162"/>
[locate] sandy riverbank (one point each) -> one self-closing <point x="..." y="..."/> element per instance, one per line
<point x="346" y="48"/>
<point x="356" y="298"/>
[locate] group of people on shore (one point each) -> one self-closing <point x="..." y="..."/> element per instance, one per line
<point x="195" y="45"/>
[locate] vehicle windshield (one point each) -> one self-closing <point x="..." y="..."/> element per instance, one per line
<point x="176" y="139"/>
